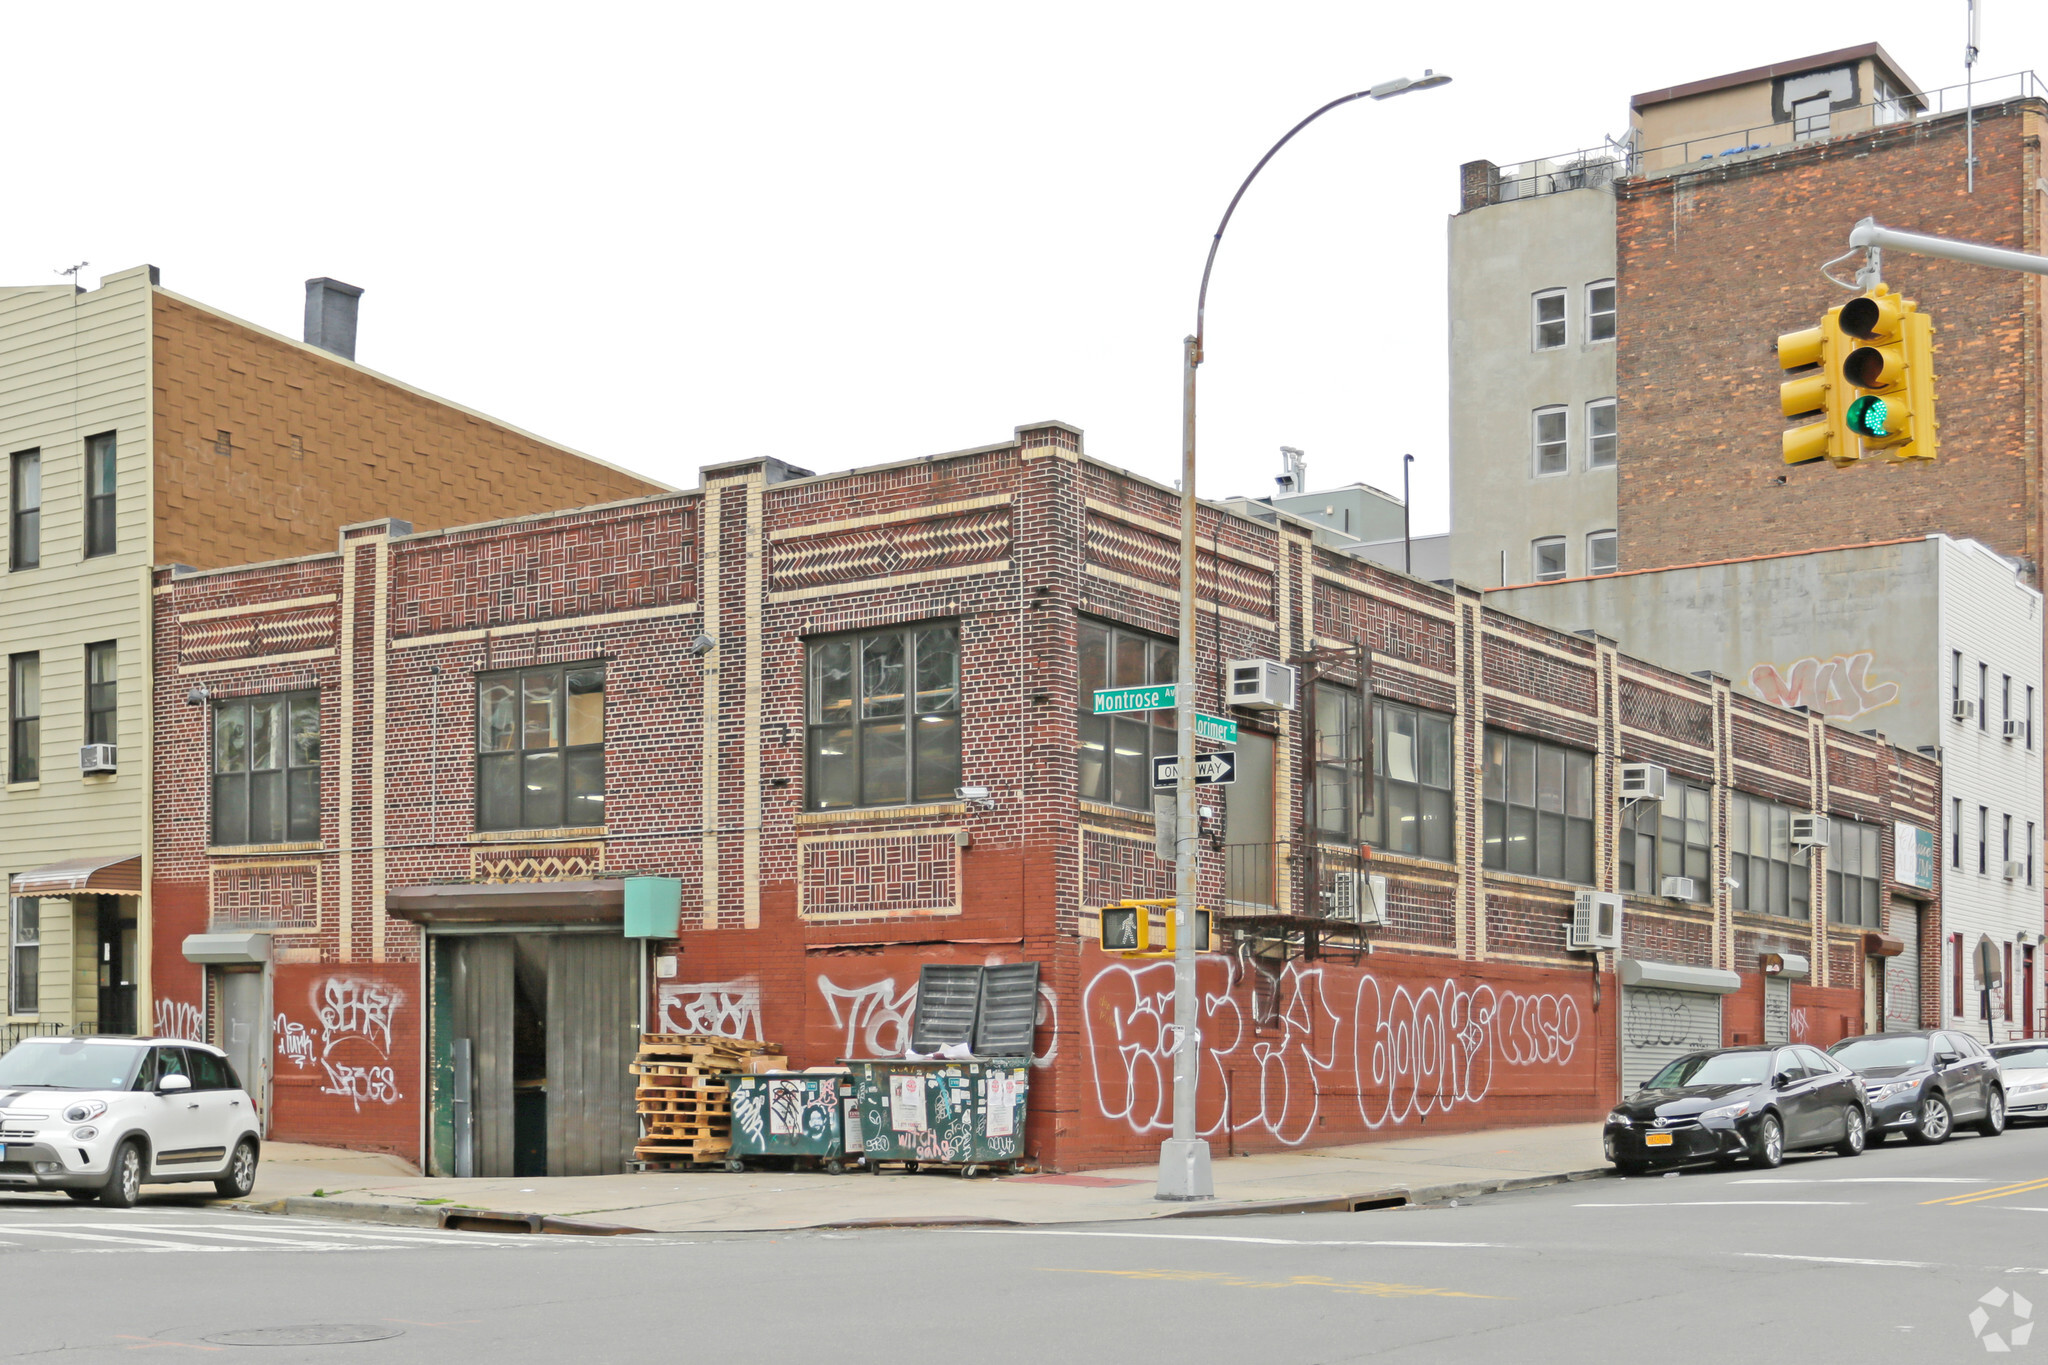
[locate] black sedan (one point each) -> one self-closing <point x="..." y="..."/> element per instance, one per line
<point x="1927" y="1083"/>
<point x="1755" y="1102"/>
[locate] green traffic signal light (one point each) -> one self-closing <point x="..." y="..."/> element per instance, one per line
<point x="1868" y="416"/>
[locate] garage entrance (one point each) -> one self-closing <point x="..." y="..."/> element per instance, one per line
<point x="1667" y="1010"/>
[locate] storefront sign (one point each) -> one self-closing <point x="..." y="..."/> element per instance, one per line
<point x="1912" y="855"/>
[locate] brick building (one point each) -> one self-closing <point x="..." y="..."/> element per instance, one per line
<point x="140" y="428"/>
<point x="773" y="688"/>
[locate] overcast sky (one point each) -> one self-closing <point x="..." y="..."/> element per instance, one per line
<point x="679" y="234"/>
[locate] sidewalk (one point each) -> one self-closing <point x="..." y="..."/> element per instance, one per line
<point x="318" y="1181"/>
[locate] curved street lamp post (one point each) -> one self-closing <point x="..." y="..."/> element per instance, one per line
<point x="1184" y="1157"/>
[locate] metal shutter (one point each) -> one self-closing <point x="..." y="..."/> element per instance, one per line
<point x="948" y="994"/>
<point x="1777" y="1010"/>
<point x="1902" y="973"/>
<point x="1659" y="1025"/>
<point x="1009" y="1010"/>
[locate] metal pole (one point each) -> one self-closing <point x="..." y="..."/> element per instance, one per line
<point x="1867" y="233"/>
<point x="1407" y="540"/>
<point x="1970" y="102"/>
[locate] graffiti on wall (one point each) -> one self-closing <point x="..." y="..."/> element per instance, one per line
<point x="1331" y="1046"/>
<point x="176" y="1019"/>
<point x="730" y="1009"/>
<point x="873" y="1019"/>
<point x="349" y="1040"/>
<point x="1838" y="687"/>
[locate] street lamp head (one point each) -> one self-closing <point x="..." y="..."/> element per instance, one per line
<point x="1402" y="85"/>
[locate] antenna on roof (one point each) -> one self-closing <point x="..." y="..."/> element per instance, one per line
<point x="70" y="272"/>
<point x="1976" y="10"/>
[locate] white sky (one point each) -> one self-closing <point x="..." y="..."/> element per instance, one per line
<point x="671" y="235"/>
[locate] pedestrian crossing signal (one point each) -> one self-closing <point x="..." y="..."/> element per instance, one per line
<point x="1126" y="929"/>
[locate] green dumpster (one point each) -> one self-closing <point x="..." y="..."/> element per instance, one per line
<point x="790" y="1113"/>
<point x="965" y="1114"/>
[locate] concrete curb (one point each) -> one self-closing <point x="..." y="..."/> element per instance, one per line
<point x="450" y="1217"/>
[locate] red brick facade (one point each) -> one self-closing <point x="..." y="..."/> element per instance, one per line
<point x="808" y="928"/>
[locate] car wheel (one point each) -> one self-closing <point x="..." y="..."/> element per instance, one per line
<point x="1994" y="1116"/>
<point x="1853" y="1132"/>
<point x="124" y="1180"/>
<point x="1768" y="1148"/>
<point x="1935" y="1122"/>
<point x="241" y="1176"/>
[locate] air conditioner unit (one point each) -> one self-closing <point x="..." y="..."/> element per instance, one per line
<point x="2015" y="870"/>
<point x="1359" y="898"/>
<point x="1809" y="831"/>
<point x="96" y="758"/>
<point x="1679" y="888"/>
<point x="2015" y="729"/>
<point x="1965" y="709"/>
<point x="1642" y="782"/>
<point x="1261" y="685"/>
<point x="1596" y="922"/>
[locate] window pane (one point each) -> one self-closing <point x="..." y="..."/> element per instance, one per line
<point x="586" y="706"/>
<point x="1129" y="663"/>
<point x="231" y="808"/>
<point x="99" y="463"/>
<point x="266" y="733"/>
<point x="302" y="797"/>
<point x="1551" y="431"/>
<point x="1333" y="799"/>
<point x="1436" y="824"/>
<point x="1094" y="772"/>
<point x="884" y="763"/>
<point x="1548" y="560"/>
<point x="1094" y="663"/>
<point x="1163" y="661"/>
<point x="938" y="671"/>
<point x="586" y="787"/>
<point x="1330" y="726"/>
<point x="832" y="680"/>
<point x="266" y="807"/>
<point x="1521" y="772"/>
<point x="540" y="710"/>
<point x="1602" y="552"/>
<point x="832" y="767"/>
<point x="497" y="780"/>
<point x="1600" y="312"/>
<point x="1496" y="849"/>
<point x="540" y="781"/>
<point x="1403" y="819"/>
<point x="1869" y="865"/>
<point x="882" y="675"/>
<point x="1550" y="779"/>
<point x="1550" y="845"/>
<point x="497" y="715"/>
<point x="1521" y="839"/>
<point x="1578" y="851"/>
<point x="1578" y="784"/>
<point x="1496" y="767"/>
<point x="938" y="757"/>
<point x="1400" y="744"/>
<point x="1130" y="765"/>
<point x="1433" y="738"/>
<point x="305" y="723"/>
<point x="231" y="738"/>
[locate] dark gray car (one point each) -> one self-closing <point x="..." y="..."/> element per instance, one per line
<point x="1926" y="1084"/>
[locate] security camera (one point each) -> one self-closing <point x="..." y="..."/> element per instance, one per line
<point x="196" y="697"/>
<point x="977" y="797"/>
<point x="701" y="646"/>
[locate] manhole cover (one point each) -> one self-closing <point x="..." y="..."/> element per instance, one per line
<point x="318" y="1334"/>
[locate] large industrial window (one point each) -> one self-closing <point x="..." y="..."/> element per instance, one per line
<point x="540" y="748"/>
<point x="1117" y="751"/>
<point x="1552" y="435"/>
<point x="1601" y="440"/>
<point x="266" y="769"/>
<point x="99" y="495"/>
<point x="24" y="956"/>
<point x="1671" y="838"/>
<point x="1550" y="324"/>
<point x="24" y="718"/>
<point x="1770" y="875"/>
<point x="25" y="510"/>
<point x="1853" y="876"/>
<point x="1411" y="768"/>
<point x="885" y="717"/>
<point x="1539" y="808"/>
<point x="101" y="694"/>
<point x="1600" y="310"/>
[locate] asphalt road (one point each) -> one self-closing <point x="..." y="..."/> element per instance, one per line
<point x="1877" y="1258"/>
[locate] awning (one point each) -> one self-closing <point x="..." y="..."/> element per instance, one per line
<point x="227" y="948"/>
<point x="589" y="902"/>
<point x="1879" y="944"/>
<point x="105" y="876"/>
<point x="1678" y="977"/>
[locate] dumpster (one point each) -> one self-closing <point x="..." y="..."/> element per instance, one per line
<point x="790" y="1113"/>
<point x="963" y="1114"/>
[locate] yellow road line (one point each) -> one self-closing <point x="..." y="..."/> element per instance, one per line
<point x="1978" y="1196"/>
<point x="1222" y="1278"/>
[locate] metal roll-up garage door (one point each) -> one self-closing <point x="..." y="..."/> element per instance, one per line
<point x="1667" y="1010"/>
<point x="1902" y="973"/>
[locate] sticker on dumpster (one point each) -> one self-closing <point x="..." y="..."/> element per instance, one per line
<point x="1002" y="1105"/>
<point x="854" y="1142"/>
<point x="906" y="1103"/>
<point x="785" y="1106"/>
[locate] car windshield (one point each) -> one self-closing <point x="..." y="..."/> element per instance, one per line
<point x="2020" y="1057"/>
<point x="1864" y="1053"/>
<point x="1713" y="1068"/>
<point x="71" y="1065"/>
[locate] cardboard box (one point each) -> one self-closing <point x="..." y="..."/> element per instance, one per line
<point x="757" y="1066"/>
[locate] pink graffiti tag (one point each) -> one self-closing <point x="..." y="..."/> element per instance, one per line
<point x="1839" y="687"/>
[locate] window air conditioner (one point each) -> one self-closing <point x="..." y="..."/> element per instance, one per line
<point x="1359" y="898"/>
<point x="96" y="758"/>
<point x="1965" y="709"/>
<point x="1596" y="922"/>
<point x="1679" y="888"/>
<point x="2015" y="729"/>
<point x="1261" y="685"/>
<point x="1809" y="831"/>
<point x="1642" y="782"/>
<point x="2015" y="870"/>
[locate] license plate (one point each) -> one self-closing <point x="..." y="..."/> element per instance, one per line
<point x="1656" y="1139"/>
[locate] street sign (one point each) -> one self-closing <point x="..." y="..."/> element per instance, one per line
<point x="1211" y="770"/>
<point x="1114" y="701"/>
<point x="1215" y="729"/>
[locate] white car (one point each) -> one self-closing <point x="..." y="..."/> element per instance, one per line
<point x="101" y="1117"/>
<point x="2025" y="1068"/>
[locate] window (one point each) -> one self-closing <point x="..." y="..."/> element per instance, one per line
<point x="2030" y="853"/>
<point x="24" y="956"/>
<point x="1550" y="325"/>
<point x="1955" y="964"/>
<point x="99" y="495"/>
<point x="1539" y="808"/>
<point x="1770" y="875"/>
<point x="1955" y="684"/>
<point x="1601" y="552"/>
<point x="1955" y="832"/>
<point x="1886" y="106"/>
<point x="1983" y="696"/>
<point x="1673" y="838"/>
<point x="1547" y="558"/>
<point x="1600" y="310"/>
<point x="2030" y="717"/>
<point x="1811" y="117"/>
<point x="2007" y="979"/>
<point x="1340" y="756"/>
<point x="1853" y="877"/>
<point x="2005" y="700"/>
<point x="1411" y="769"/>
<point x="1601" y="440"/>
<point x="162" y="1062"/>
<point x="1553" y="430"/>
<point x="266" y="769"/>
<point x="25" y="717"/>
<point x="101" y="711"/>
<point x="1984" y="838"/>
<point x="540" y="748"/>
<point x="209" y="1070"/>
<point x="2006" y="857"/>
<point x="25" y="531"/>
<point x="1117" y="751"/>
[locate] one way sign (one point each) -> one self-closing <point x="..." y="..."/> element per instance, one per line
<point x="1211" y="770"/>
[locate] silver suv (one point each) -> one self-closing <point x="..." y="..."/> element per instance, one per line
<point x="99" y="1117"/>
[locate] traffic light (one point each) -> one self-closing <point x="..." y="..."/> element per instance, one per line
<point x="1126" y="929"/>
<point x="1820" y="390"/>
<point x="1891" y="374"/>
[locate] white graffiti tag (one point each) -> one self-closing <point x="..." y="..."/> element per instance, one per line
<point x="730" y="1009"/>
<point x="294" y="1043"/>
<point x="362" y="1084"/>
<point x="348" y="1007"/>
<point x="176" y="1019"/>
<point x="875" y="1018"/>
<point x="354" y="1017"/>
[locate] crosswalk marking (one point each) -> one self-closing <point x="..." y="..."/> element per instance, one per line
<point x="160" y="1236"/>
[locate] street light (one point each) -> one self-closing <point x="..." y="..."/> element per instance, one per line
<point x="1184" y="1157"/>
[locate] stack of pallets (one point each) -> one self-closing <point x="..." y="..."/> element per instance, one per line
<point x="684" y="1102"/>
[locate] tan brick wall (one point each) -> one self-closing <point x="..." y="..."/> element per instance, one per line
<point x="314" y="444"/>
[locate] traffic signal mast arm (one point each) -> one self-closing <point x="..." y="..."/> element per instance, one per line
<point x="1874" y="238"/>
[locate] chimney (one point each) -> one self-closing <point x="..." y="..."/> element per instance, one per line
<point x="331" y="316"/>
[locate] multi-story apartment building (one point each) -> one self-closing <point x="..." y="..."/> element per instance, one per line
<point x="143" y="428"/>
<point x="1935" y="643"/>
<point x="850" y="714"/>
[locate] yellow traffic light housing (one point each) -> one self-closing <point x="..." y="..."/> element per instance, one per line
<point x="1891" y="374"/>
<point x="1820" y="390"/>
